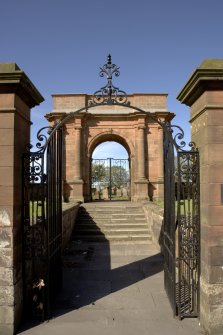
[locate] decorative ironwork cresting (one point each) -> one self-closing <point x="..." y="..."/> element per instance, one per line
<point x="109" y="94"/>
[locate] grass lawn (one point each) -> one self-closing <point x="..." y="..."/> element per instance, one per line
<point x="185" y="206"/>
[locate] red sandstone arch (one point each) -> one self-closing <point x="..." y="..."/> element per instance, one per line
<point x="138" y="129"/>
<point x="109" y="136"/>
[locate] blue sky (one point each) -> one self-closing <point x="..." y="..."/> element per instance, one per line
<point x="60" y="44"/>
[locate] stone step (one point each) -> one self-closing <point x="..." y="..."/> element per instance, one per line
<point x="112" y="215"/>
<point x="111" y="221"/>
<point x="115" y="214"/>
<point x="106" y="221"/>
<point x="110" y="226"/>
<point x="120" y="204"/>
<point x="110" y="209"/>
<point x="116" y="231"/>
<point x="110" y="238"/>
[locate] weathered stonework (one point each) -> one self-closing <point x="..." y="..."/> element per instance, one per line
<point x="17" y="96"/>
<point x="69" y="216"/>
<point x="204" y="94"/>
<point x="154" y="215"/>
<point x="141" y="136"/>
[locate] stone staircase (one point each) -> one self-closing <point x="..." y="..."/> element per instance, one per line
<point x="111" y="221"/>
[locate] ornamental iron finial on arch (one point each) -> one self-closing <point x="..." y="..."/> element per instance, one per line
<point x="109" y="94"/>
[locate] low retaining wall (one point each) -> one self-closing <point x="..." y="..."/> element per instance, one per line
<point x="70" y="211"/>
<point x="154" y="216"/>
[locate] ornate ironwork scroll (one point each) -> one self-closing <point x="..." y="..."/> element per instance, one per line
<point x="188" y="218"/>
<point x="42" y="225"/>
<point x="181" y="241"/>
<point x="109" y="94"/>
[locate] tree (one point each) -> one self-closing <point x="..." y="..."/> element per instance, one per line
<point x="101" y="175"/>
<point x="98" y="172"/>
<point x="119" y="176"/>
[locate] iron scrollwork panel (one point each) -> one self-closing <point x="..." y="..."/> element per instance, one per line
<point x="34" y="232"/>
<point x="169" y="220"/>
<point x="42" y="222"/>
<point x="188" y="207"/>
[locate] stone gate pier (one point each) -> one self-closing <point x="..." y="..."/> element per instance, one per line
<point x="203" y="93"/>
<point x="17" y="96"/>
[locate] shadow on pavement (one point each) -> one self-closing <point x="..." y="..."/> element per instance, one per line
<point x="91" y="272"/>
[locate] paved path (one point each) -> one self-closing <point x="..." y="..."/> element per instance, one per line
<point x="113" y="290"/>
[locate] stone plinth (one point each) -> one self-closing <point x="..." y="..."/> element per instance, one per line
<point x="137" y="132"/>
<point x="17" y="96"/>
<point x="204" y="94"/>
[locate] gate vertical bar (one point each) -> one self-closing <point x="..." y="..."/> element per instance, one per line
<point x="54" y="215"/>
<point x="169" y="220"/>
<point x="110" y="178"/>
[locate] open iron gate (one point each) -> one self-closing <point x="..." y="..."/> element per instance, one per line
<point x="110" y="179"/>
<point x="42" y="223"/>
<point x="42" y="211"/>
<point x="181" y="233"/>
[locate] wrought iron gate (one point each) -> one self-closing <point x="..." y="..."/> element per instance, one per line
<point x="181" y="236"/>
<point x="110" y="179"/>
<point x="42" y="222"/>
<point x="42" y="208"/>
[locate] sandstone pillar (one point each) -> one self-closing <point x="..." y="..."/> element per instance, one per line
<point x="77" y="182"/>
<point x="204" y="94"/>
<point x="141" y="152"/>
<point x="160" y="179"/>
<point x="17" y="96"/>
<point x="77" y="161"/>
<point x="141" y="182"/>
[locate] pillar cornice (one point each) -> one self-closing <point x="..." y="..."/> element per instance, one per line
<point x="13" y="80"/>
<point x="207" y="77"/>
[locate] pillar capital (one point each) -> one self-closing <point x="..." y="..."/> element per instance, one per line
<point x="78" y="127"/>
<point x="13" y="80"/>
<point x="207" y="77"/>
<point x="141" y="127"/>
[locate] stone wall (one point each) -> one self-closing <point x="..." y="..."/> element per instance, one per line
<point x="203" y="93"/>
<point x="154" y="216"/>
<point x="70" y="211"/>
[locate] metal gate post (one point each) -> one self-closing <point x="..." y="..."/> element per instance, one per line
<point x="110" y="178"/>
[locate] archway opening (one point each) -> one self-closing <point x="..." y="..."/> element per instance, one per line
<point x="110" y="172"/>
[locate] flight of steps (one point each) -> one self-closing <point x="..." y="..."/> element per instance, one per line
<point x="111" y="221"/>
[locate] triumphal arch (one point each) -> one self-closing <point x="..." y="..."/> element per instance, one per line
<point x="140" y="135"/>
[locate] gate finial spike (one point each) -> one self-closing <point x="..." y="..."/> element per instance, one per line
<point x="109" y="94"/>
<point x="109" y="59"/>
